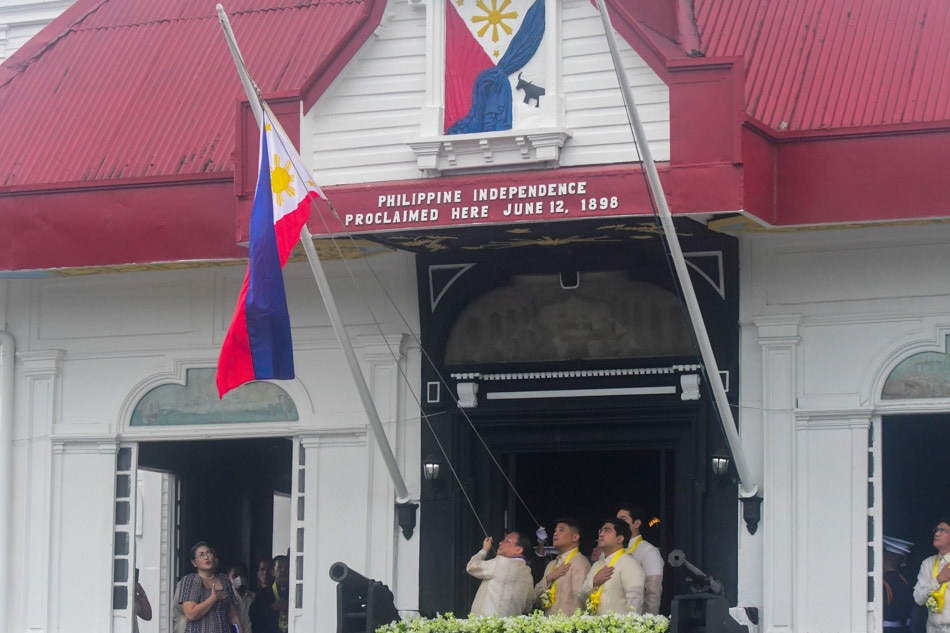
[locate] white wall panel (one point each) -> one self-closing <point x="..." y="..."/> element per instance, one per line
<point x="812" y="274"/>
<point x="82" y="527"/>
<point x="120" y="312"/>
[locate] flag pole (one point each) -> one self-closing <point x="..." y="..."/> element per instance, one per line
<point x="306" y="239"/>
<point x="747" y="488"/>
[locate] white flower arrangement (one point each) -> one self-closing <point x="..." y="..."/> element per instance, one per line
<point x="537" y="622"/>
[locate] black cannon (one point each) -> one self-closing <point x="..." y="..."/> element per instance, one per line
<point x="705" y="609"/>
<point x="362" y="604"/>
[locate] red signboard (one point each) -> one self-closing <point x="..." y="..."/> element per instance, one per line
<point x="498" y="198"/>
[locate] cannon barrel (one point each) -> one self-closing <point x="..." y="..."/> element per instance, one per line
<point x="352" y="581"/>
<point x="678" y="559"/>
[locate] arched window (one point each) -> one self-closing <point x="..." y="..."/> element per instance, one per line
<point x="196" y="402"/>
<point x="924" y="375"/>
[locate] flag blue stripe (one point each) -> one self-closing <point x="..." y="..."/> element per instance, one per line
<point x="268" y="320"/>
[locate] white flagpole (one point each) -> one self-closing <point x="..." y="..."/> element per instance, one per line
<point x="402" y="493"/>
<point x="747" y="488"/>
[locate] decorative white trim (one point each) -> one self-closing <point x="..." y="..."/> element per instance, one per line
<point x="578" y="373"/>
<point x="468" y="395"/>
<point x="689" y="383"/>
<point x="461" y="269"/>
<point x="538" y="148"/>
<point x="581" y="393"/>
<point x="720" y="285"/>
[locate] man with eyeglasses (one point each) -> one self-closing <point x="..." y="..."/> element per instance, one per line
<point x="931" y="588"/>
<point x="615" y="582"/>
<point x="507" y="587"/>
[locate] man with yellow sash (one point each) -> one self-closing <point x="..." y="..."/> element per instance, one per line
<point x="646" y="554"/>
<point x="931" y="587"/>
<point x="615" y="582"/>
<point x="556" y="592"/>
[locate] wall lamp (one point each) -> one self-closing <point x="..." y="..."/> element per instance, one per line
<point x="720" y="462"/>
<point x="431" y="467"/>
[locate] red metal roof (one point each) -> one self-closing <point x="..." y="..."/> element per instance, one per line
<point x="139" y="89"/>
<point x="835" y="64"/>
<point x="121" y="127"/>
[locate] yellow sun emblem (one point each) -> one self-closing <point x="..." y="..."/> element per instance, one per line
<point x="281" y="179"/>
<point x="494" y="18"/>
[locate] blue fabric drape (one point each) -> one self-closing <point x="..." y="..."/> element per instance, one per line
<point x="491" y="94"/>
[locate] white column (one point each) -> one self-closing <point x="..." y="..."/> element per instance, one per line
<point x="40" y="408"/>
<point x="831" y="506"/>
<point x="82" y="524"/>
<point x="779" y="338"/>
<point x="7" y="391"/>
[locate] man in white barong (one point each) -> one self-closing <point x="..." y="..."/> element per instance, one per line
<point x="931" y="588"/>
<point x="507" y="587"/>
<point x="614" y="583"/>
<point x="563" y="576"/>
<point x="646" y="554"/>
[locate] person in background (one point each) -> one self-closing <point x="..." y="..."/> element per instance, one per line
<point x="931" y="588"/>
<point x="265" y="574"/>
<point x="269" y="611"/>
<point x="898" y="594"/>
<point x="239" y="580"/>
<point x="507" y="587"/>
<point x="556" y="592"/>
<point x="143" y="608"/>
<point x="615" y="582"/>
<point x="646" y="554"/>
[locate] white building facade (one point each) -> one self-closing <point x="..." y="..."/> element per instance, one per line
<point x="828" y="318"/>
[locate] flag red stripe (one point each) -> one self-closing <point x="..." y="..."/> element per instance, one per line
<point x="464" y="60"/>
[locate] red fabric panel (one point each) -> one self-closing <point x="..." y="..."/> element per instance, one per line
<point x="464" y="60"/>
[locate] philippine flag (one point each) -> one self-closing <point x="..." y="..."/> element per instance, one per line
<point x="258" y="344"/>
<point x="484" y="46"/>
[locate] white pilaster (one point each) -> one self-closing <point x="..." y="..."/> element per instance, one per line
<point x="40" y="408"/>
<point x="779" y="338"/>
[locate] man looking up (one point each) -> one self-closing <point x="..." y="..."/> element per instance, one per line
<point x="563" y="576"/>
<point x="615" y="582"/>
<point x="646" y="554"/>
<point x="931" y="588"/>
<point x="506" y="587"/>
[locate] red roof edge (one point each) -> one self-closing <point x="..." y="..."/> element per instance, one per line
<point x="49" y="35"/>
<point x="115" y="183"/>
<point x="875" y="175"/>
<point x="351" y="42"/>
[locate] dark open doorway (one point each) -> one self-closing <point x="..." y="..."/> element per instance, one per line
<point x="226" y="491"/>
<point x="562" y="464"/>
<point x="914" y="493"/>
<point x="587" y="485"/>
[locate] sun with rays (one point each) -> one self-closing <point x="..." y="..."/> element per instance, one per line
<point x="281" y="180"/>
<point x="494" y="18"/>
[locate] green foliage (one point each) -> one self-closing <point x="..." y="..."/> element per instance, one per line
<point x="537" y="622"/>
